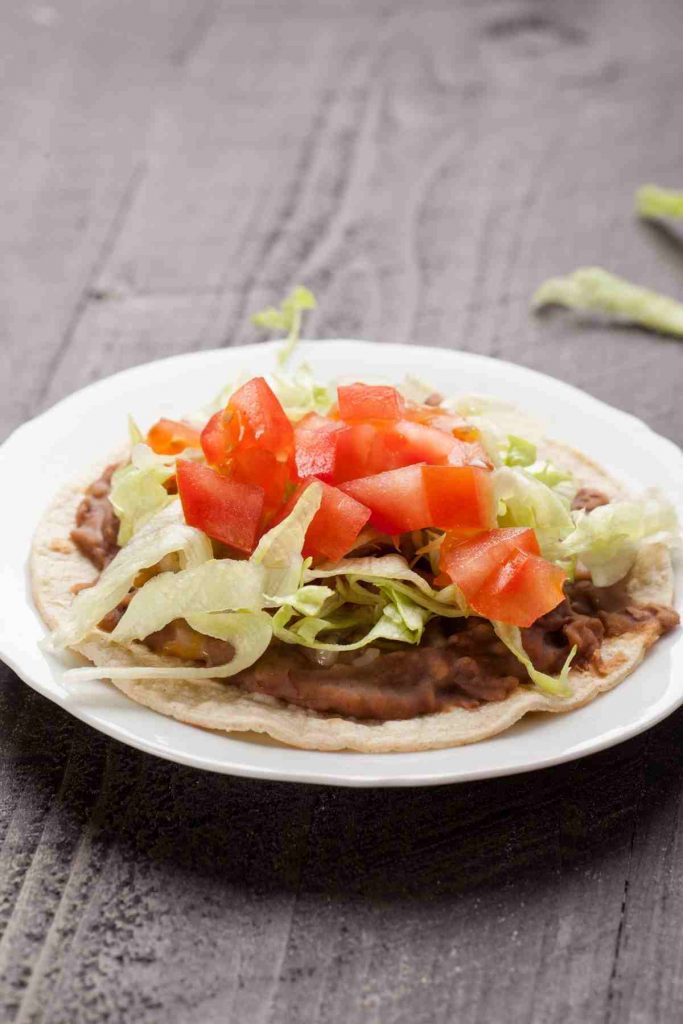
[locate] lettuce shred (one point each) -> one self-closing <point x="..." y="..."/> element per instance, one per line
<point x="287" y="318"/>
<point x="652" y="201"/>
<point x="594" y="290"/>
<point x="607" y="539"/>
<point x="557" y="686"/>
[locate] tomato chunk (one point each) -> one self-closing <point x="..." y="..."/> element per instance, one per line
<point x="521" y="591"/>
<point x="215" y="441"/>
<point x="397" y="499"/>
<point x="169" y="437"/>
<point x="335" y="526"/>
<point x="502" y="575"/>
<point x="369" y="402"/>
<point x="261" y="419"/>
<point x="441" y="419"/>
<point x="224" y="509"/>
<point x="263" y="469"/>
<point x="459" y="497"/>
<point x="470" y="563"/>
<point x="316" y="442"/>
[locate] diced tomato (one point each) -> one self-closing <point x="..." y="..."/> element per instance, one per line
<point x="521" y="591"/>
<point x="169" y="437"/>
<point x="459" y="497"/>
<point x="468" y="453"/>
<point x="354" y="450"/>
<point x="369" y="402"/>
<point x="424" y="443"/>
<point x="335" y="526"/>
<point x="441" y="419"/>
<point x="502" y="575"/>
<point x="471" y="562"/>
<point x="315" y="446"/>
<point x="262" y="468"/>
<point x="397" y="499"/>
<point x="215" y="441"/>
<point x="261" y="419"/>
<point x="224" y="509"/>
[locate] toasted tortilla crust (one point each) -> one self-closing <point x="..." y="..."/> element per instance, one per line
<point x="56" y="565"/>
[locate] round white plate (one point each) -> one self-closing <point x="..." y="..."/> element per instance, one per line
<point x="44" y="453"/>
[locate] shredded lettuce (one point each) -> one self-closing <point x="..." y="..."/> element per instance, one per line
<point x="549" y="474"/>
<point x="164" y="534"/>
<point x="525" y="501"/>
<point x="218" y="585"/>
<point x="390" y="571"/>
<point x="287" y="318"/>
<point x="607" y="539"/>
<point x="309" y="600"/>
<point x="653" y="201"/>
<point x="520" y="452"/>
<point x="249" y="634"/>
<point x="415" y="389"/>
<point x="137" y="489"/>
<point x="279" y="550"/>
<point x="391" y="625"/>
<point x="556" y="685"/>
<point x="594" y="290"/>
<point x="299" y="393"/>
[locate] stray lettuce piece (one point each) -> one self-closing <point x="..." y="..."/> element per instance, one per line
<point x="653" y="201"/>
<point x="607" y="539"/>
<point x="249" y="634"/>
<point x="520" y="452"/>
<point x="287" y="318"/>
<point x="557" y="686"/>
<point x="594" y="290"/>
<point x="137" y="489"/>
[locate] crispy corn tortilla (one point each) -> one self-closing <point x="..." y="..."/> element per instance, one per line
<point x="56" y="565"/>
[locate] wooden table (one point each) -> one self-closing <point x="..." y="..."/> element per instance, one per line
<point x="170" y="167"/>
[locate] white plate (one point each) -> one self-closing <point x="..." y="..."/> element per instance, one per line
<point x="47" y="451"/>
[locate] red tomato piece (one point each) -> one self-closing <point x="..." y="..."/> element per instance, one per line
<point x="369" y="402"/>
<point x="470" y="563"/>
<point x="369" y="448"/>
<point x="335" y="526"/>
<point x="315" y="446"/>
<point x="521" y="591"/>
<point x="215" y="440"/>
<point x="468" y="453"/>
<point x="261" y="468"/>
<point x="260" y="419"/>
<point x="169" y="437"/>
<point x="224" y="509"/>
<point x="397" y="499"/>
<point x="459" y="497"/>
<point x="442" y="419"/>
<point x="354" y="448"/>
<point x="424" y="443"/>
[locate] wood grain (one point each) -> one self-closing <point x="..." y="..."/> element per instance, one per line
<point x="169" y="167"/>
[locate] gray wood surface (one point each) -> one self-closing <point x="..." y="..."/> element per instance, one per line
<point x="168" y="167"/>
